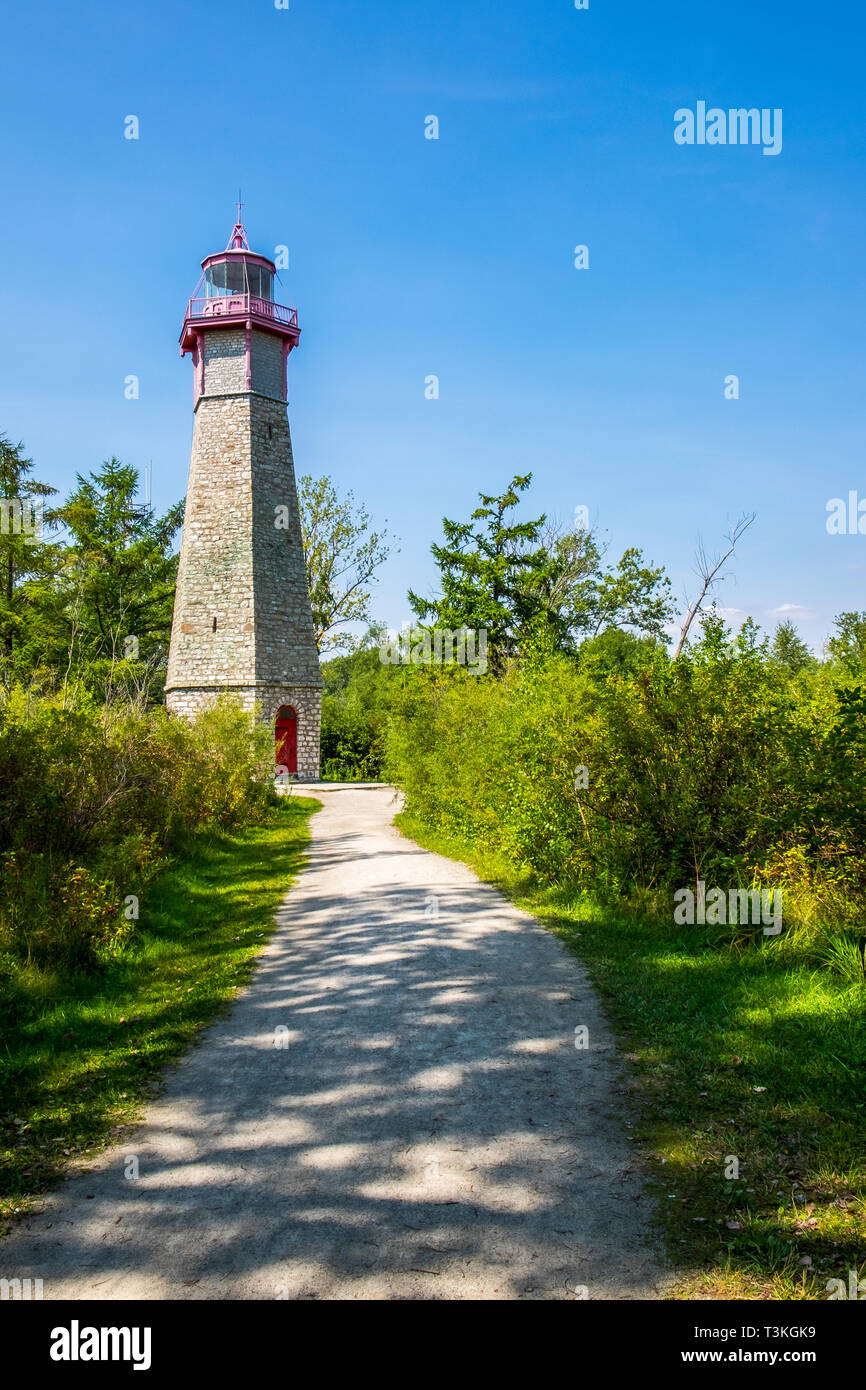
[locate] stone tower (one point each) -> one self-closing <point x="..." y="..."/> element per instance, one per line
<point x="242" y="618"/>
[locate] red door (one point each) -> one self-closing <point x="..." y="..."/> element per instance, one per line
<point x="287" y="739"/>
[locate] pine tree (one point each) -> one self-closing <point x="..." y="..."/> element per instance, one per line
<point x="108" y="613"/>
<point x="789" y="650"/>
<point x="24" y="551"/>
<point x="485" y="571"/>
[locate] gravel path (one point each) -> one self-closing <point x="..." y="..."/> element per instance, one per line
<point x="425" y="1127"/>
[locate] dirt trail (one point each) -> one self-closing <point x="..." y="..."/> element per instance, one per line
<point x="425" y="1128"/>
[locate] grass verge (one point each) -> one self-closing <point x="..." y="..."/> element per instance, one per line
<point x="747" y="1089"/>
<point x="84" y="1053"/>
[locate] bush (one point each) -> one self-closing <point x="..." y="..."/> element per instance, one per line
<point x="93" y="802"/>
<point x="645" y="774"/>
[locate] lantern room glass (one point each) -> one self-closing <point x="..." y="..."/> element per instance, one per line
<point x="238" y="276"/>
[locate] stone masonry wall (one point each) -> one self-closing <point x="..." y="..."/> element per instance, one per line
<point x="266" y="365"/>
<point x="285" y="636"/>
<point x="215" y="575"/>
<point x="224" y="360"/>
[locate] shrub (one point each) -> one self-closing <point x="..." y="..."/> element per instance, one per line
<point x="93" y="802"/>
<point x="648" y="774"/>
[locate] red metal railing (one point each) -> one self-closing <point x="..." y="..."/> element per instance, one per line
<point x="238" y="305"/>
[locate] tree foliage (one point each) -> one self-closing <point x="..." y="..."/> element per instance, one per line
<point x="342" y="555"/>
<point x="92" y="599"/>
<point x="847" y="646"/>
<point x="24" y="552"/>
<point x="524" y="581"/>
<point x="788" y="649"/>
<point x="629" y="769"/>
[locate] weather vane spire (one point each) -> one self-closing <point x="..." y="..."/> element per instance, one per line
<point x="238" y="239"/>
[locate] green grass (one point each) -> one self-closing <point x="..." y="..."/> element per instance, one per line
<point x="748" y="1051"/>
<point x="85" y="1053"/>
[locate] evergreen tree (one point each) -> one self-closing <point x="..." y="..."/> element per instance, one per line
<point x="24" y="551"/>
<point x="788" y="649"/>
<point x="487" y="573"/>
<point x="108" y="612"/>
<point x="848" y="644"/>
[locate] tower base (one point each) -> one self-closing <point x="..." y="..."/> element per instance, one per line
<point x="305" y="700"/>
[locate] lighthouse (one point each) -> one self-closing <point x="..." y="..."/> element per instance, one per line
<point x="242" y="623"/>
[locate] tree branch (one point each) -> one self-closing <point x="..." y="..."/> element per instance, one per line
<point x="709" y="572"/>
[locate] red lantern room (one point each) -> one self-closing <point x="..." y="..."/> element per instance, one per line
<point x="236" y="290"/>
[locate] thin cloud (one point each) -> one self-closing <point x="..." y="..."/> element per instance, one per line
<point x="791" y="610"/>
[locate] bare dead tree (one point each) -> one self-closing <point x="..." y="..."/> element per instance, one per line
<point x="709" y="571"/>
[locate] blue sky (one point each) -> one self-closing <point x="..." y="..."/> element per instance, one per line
<point x="454" y="257"/>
